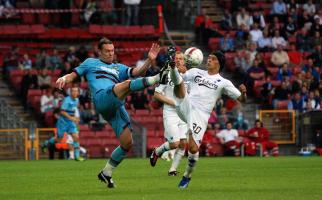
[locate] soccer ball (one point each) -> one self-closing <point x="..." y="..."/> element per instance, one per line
<point x="193" y="57"/>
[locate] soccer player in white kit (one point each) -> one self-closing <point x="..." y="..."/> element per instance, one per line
<point x="175" y="129"/>
<point x="195" y="108"/>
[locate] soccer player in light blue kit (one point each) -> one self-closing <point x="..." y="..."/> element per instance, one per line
<point x="67" y="122"/>
<point x="109" y="87"/>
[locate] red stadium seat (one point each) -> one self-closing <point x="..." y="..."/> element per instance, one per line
<point x="95" y="29"/>
<point x="282" y="104"/>
<point x="33" y="92"/>
<point x="28" y="18"/>
<point x="154" y="142"/>
<point x="37" y="28"/>
<point x="142" y="112"/>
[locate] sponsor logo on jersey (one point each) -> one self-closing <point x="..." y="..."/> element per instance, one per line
<point x="113" y="70"/>
<point x="201" y="81"/>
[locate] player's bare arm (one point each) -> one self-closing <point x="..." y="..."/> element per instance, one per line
<point x="68" y="78"/>
<point x="163" y="99"/>
<point x="153" y="53"/>
<point x="243" y="96"/>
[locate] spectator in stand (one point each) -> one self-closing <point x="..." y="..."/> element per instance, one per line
<point x="140" y="101"/>
<point x="265" y="43"/>
<point x="317" y="93"/>
<point x="89" y="7"/>
<point x="201" y="25"/>
<point x="274" y="26"/>
<point x="312" y="68"/>
<point x="41" y="59"/>
<point x="254" y="73"/>
<point x="292" y="5"/>
<point x="302" y="40"/>
<point x="11" y="60"/>
<point x="25" y="63"/>
<point x="212" y="119"/>
<point x="242" y="18"/>
<point x="240" y="122"/>
<point x="293" y="14"/>
<point x="226" y="43"/>
<point x="258" y="18"/>
<point x="67" y="69"/>
<point x="316" y="56"/>
<point x="316" y="27"/>
<point x="278" y="40"/>
<point x="29" y="81"/>
<point x="88" y="115"/>
<point x="223" y="117"/>
<point x="255" y="33"/>
<point x="132" y="11"/>
<point x="279" y="9"/>
<point x="252" y="52"/>
<point x="304" y="20"/>
<point x="242" y="35"/>
<point x="242" y="61"/>
<point x="226" y="22"/>
<point x="267" y="92"/>
<point x="54" y="61"/>
<point x="294" y="56"/>
<point x="44" y="80"/>
<point x="290" y="27"/>
<point x="47" y="101"/>
<point x="281" y="93"/>
<point x="309" y="7"/>
<point x="312" y="103"/>
<point x="58" y="98"/>
<point x="297" y="103"/>
<point x="229" y="138"/>
<point x="81" y="53"/>
<point x="279" y="57"/>
<point x="71" y="57"/>
<point x="260" y="135"/>
<point x="319" y="15"/>
<point x="284" y="73"/>
<point x="316" y="40"/>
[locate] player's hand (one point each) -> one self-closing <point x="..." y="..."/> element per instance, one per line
<point x="153" y="53"/>
<point x="60" y="83"/>
<point x="242" y="88"/>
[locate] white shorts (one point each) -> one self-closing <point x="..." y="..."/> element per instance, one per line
<point x="196" y="119"/>
<point x="174" y="128"/>
<point x="69" y="139"/>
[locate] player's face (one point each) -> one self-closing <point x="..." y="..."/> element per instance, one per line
<point x="74" y="92"/>
<point x="179" y="59"/>
<point x="213" y="63"/>
<point x="107" y="53"/>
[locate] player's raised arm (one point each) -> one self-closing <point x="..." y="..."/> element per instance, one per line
<point x="153" y="53"/>
<point x="243" y="96"/>
<point x="68" y="78"/>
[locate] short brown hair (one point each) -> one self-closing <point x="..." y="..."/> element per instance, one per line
<point x="103" y="41"/>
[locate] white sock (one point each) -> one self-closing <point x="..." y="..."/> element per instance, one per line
<point x="163" y="148"/>
<point x="192" y="161"/>
<point x="175" y="76"/>
<point x="151" y="80"/>
<point x="176" y="159"/>
<point x="108" y="169"/>
<point x="71" y="155"/>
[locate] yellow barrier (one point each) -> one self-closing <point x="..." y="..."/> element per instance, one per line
<point x="10" y="140"/>
<point x="280" y="124"/>
<point x="39" y="139"/>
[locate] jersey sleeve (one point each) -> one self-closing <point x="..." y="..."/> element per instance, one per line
<point x="82" y="69"/>
<point x="124" y="72"/>
<point x="231" y="91"/>
<point x="160" y="89"/>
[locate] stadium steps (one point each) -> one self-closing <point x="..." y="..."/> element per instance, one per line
<point x="212" y="10"/>
<point x="10" y="97"/>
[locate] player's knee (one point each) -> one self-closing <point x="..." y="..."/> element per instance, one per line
<point x="174" y="145"/>
<point x="127" y="145"/>
<point x="182" y="144"/>
<point x="193" y="150"/>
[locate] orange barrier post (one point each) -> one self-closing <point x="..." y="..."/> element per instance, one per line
<point x="160" y="15"/>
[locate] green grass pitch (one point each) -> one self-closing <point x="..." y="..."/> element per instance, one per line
<point x="214" y="178"/>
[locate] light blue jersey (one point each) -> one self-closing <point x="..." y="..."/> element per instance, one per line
<point x="101" y="78"/>
<point x="101" y="75"/>
<point x="69" y="105"/>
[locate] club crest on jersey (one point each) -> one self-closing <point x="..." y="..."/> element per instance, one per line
<point x="201" y="81"/>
